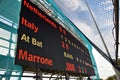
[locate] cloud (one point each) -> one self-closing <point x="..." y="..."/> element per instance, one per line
<point x="70" y="5"/>
<point x="108" y="5"/>
<point x="106" y="2"/>
<point x="93" y="35"/>
<point x="83" y="26"/>
<point x="105" y="69"/>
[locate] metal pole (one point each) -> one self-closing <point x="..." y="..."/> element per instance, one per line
<point x="116" y="24"/>
<point x="116" y="18"/>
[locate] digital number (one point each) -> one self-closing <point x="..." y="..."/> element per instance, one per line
<point x="82" y="70"/>
<point x="70" y="67"/>
<point x="65" y="45"/>
<point x="79" y="68"/>
<point x="62" y="30"/>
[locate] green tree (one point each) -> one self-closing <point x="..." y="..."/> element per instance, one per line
<point x="112" y="78"/>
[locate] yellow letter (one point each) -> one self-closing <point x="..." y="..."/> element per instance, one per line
<point x="26" y="39"/>
<point x="33" y="41"/>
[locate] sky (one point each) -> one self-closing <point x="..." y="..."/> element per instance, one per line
<point x="77" y="12"/>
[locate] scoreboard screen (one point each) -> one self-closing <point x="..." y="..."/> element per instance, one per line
<point x="44" y="43"/>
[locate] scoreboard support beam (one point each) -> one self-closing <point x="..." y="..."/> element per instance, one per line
<point x="50" y="76"/>
<point x="66" y="76"/>
<point x="38" y="74"/>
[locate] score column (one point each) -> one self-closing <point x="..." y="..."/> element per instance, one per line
<point x="66" y="47"/>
